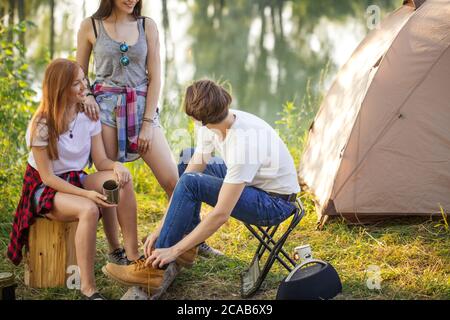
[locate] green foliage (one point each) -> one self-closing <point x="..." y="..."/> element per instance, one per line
<point x="295" y="120"/>
<point x="16" y="106"/>
<point x="444" y="223"/>
<point x="413" y="256"/>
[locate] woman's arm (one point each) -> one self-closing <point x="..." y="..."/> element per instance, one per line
<point x="153" y="68"/>
<point x="85" y="41"/>
<point x="103" y="163"/>
<point x="154" y="85"/>
<point x="84" y="44"/>
<point x="45" y="169"/>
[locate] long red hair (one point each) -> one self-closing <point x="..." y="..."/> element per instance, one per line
<point x="53" y="110"/>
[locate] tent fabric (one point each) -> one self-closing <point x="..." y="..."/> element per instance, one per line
<point x="380" y="143"/>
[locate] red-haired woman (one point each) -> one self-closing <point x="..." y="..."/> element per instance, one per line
<point x="56" y="187"/>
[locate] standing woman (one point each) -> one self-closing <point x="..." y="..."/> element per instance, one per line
<point x="125" y="93"/>
<point x="61" y="139"/>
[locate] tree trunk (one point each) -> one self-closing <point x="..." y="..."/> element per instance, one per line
<point x="21" y="8"/>
<point x="11" y="14"/>
<point x="280" y="17"/>
<point x="263" y="26"/>
<point x="166" y="26"/>
<point x="2" y="12"/>
<point x="52" y="28"/>
<point x="274" y="20"/>
<point x="166" y="23"/>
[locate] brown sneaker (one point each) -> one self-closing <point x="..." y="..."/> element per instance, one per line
<point x="187" y="259"/>
<point x="135" y="274"/>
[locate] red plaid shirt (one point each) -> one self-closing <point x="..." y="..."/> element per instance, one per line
<point x="25" y="215"/>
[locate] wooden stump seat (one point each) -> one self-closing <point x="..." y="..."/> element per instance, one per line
<point x="51" y="252"/>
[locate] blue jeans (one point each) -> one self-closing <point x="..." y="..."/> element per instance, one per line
<point x="254" y="207"/>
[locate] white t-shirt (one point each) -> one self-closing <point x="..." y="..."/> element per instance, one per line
<point x="253" y="153"/>
<point x="73" y="152"/>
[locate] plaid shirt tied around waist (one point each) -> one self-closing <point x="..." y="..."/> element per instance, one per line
<point x="26" y="214"/>
<point x="126" y="118"/>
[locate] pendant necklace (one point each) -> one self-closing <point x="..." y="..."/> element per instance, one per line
<point x="73" y="127"/>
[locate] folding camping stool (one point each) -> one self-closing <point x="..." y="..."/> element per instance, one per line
<point x="254" y="276"/>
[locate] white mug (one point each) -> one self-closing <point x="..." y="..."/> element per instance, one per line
<point x="303" y="253"/>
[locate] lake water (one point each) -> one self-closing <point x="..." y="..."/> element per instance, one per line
<point x="267" y="50"/>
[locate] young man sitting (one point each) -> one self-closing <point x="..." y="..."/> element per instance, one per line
<point x="255" y="183"/>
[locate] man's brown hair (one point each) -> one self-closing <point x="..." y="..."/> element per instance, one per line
<point x="207" y="101"/>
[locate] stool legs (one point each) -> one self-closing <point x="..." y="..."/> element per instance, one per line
<point x="254" y="276"/>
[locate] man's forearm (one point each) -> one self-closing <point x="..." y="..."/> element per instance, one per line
<point x="198" y="162"/>
<point x="199" y="168"/>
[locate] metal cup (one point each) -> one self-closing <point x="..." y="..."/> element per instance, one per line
<point x="111" y="191"/>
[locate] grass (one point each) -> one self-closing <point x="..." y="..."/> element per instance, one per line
<point x="413" y="256"/>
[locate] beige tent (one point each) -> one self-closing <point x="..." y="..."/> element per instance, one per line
<point x="380" y="143"/>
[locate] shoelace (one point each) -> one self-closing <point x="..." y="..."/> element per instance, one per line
<point x="139" y="265"/>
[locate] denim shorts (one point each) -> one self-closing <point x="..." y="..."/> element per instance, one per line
<point x="108" y="105"/>
<point x="41" y="187"/>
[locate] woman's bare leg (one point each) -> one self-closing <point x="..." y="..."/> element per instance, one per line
<point x="126" y="209"/>
<point x="68" y="208"/>
<point x="110" y="222"/>
<point x="159" y="159"/>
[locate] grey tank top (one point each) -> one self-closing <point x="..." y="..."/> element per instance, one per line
<point x="108" y="68"/>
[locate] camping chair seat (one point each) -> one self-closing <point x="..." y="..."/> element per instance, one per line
<point x="253" y="277"/>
